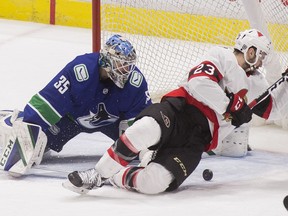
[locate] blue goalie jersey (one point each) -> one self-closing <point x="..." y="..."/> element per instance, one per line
<point x="77" y="100"/>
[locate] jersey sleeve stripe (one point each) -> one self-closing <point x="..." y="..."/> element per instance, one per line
<point x="44" y="109"/>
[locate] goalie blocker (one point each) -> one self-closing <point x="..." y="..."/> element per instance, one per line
<point x="23" y="144"/>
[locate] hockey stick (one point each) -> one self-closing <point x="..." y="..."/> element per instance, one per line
<point x="47" y="172"/>
<point x="38" y="172"/>
<point x="268" y="92"/>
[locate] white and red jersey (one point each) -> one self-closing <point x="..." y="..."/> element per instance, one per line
<point x="215" y="74"/>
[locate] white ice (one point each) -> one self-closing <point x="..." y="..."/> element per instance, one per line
<point x="30" y="55"/>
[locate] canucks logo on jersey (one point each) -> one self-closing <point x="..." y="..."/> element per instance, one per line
<point x="100" y="119"/>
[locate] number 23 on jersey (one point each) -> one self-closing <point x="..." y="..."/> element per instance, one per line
<point x="207" y="69"/>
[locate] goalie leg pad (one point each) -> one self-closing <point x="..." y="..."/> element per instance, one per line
<point x="25" y="147"/>
<point x="152" y="179"/>
<point x="235" y="144"/>
<point x="7" y="118"/>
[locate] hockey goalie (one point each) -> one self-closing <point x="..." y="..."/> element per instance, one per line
<point x="95" y="92"/>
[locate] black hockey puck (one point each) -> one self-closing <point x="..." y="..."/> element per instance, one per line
<point x="285" y="202"/>
<point x="207" y="174"/>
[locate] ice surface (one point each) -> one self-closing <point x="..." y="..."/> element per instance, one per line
<point x="30" y="55"/>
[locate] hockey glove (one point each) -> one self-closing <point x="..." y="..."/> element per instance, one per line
<point x="238" y="110"/>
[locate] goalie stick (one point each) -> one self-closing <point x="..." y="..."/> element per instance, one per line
<point x="268" y="92"/>
<point x="40" y="170"/>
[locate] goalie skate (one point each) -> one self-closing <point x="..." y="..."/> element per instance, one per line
<point x="82" y="182"/>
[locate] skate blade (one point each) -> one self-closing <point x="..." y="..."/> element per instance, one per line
<point x="69" y="186"/>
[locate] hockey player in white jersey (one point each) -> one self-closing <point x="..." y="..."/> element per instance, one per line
<point x="190" y="120"/>
<point x="236" y="144"/>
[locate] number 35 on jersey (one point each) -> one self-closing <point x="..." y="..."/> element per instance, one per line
<point x="62" y="85"/>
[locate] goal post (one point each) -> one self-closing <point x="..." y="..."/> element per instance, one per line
<point x="170" y="35"/>
<point x="96" y="25"/>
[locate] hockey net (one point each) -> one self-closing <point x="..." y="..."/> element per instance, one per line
<point x="169" y="35"/>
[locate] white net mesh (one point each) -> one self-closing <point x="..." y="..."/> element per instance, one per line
<point x="170" y="35"/>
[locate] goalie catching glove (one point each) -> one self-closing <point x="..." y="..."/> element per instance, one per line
<point x="237" y="110"/>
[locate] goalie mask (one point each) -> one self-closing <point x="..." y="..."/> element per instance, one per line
<point x="118" y="58"/>
<point x="253" y="38"/>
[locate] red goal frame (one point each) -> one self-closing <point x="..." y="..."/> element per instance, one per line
<point x="96" y="25"/>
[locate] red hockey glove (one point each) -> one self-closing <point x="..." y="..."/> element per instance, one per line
<point x="239" y="111"/>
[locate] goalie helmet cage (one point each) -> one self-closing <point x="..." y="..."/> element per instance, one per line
<point x="170" y="35"/>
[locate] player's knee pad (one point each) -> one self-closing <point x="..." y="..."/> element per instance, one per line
<point x="144" y="133"/>
<point x="152" y="179"/>
<point x="119" y="155"/>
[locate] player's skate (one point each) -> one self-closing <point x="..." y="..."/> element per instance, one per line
<point x="83" y="181"/>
